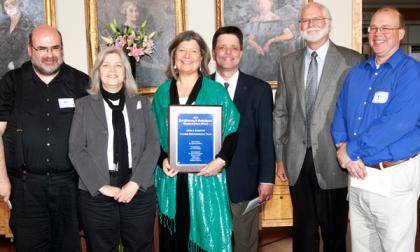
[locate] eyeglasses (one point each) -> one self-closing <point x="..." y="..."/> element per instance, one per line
<point x="382" y="29"/>
<point x="44" y="50"/>
<point x="316" y="20"/>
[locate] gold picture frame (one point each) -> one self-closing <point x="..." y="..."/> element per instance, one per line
<point x="92" y="32"/>
<point x="49" y="6"/>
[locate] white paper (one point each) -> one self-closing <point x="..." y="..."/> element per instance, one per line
<point x="138" y="105"/>
<point x="376" y="181"/>
<point x="66" y="102"/>
<point x="252" y="204"/>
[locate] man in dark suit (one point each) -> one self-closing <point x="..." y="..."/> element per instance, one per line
<point x="309" y="82"/>
<point x="251" y="172"/>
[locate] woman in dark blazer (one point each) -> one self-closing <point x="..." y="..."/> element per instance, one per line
<point x="114" y="147"/>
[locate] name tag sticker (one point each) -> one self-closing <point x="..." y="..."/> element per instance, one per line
<point x="138" y="105"/>
<point x="380" y="97"/>
<point x="66" y="102"/>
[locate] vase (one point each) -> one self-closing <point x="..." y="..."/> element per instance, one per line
<point x="133" y="64"/>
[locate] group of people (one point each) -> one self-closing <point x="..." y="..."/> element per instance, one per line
<point x="91" y="154"/>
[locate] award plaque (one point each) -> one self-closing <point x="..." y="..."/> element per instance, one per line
<point x="195" y="136"/>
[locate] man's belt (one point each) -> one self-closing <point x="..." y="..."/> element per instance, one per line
<point x="386" y="164"/>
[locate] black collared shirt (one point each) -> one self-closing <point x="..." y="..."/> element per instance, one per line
<point x="46" y="115"/>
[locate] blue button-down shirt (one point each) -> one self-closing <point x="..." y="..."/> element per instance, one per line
<point x="378" y="111"/>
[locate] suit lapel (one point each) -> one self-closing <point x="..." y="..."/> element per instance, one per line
<point x="99" y="109"/>
<point x="240" y="91"/>
<point x="299" y="72"/>
<point x="331" y="65"/>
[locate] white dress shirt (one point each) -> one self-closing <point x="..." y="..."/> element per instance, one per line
<point x="233" y="82"/>
<point x="322" y="53"/>
<point x="110" y="149"/>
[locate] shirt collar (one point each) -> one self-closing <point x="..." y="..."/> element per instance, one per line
<point x="392" y="61"/>
<point x="232" y="80"/>
<point x="321" y="52"/>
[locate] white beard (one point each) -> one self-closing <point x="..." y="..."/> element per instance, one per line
<point x="315" y="37"/>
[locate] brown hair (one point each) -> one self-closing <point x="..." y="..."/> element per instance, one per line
<point x="171" y="71"/>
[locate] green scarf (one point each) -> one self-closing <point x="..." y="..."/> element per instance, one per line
<point x="211" y="224"/>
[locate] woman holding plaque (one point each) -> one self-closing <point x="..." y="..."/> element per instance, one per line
<point x="114" y="147"/>
<point x="194" y="209"/>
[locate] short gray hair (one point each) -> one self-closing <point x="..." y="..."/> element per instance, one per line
<point x="325" y="12"/>
<point x="129" y="82"/>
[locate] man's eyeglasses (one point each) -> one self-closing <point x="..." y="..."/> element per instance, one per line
<point x="382" y="29"/>
<point x="52" y="49"/>
<point x="316" y="20"/>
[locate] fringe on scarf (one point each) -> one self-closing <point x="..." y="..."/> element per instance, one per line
<point x="167" y="223"/>
<point x="194" y="247"/>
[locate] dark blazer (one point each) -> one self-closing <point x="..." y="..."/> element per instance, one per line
<point x="254" y="159"/>
<point x="89" y="140"/>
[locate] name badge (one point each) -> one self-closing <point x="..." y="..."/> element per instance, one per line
<point x="380" y="97"/>
<point x="138" y="105"/>
<point x="66" y="102"/>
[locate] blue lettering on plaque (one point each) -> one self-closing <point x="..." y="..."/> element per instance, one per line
<point x="195" y="139"/>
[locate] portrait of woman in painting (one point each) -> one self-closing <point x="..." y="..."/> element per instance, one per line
<point x="270" y="30"/>
<point x="14" y="30"/>
<point x="159" y="15"/>
<point x="130" y="11"/>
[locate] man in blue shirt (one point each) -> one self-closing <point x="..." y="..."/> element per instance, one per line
<point x="377" y="131"/>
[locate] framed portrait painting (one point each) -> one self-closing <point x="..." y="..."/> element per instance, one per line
<point x="165" y="17"/>
<point x="270" y="28"/>
<point x="17" y="19"/>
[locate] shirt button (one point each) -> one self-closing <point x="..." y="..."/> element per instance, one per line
<point x="376" y="73"/>
<point x="48" y="160"/>
<point x="370" y="88"/>
<point x="364" y="103"/>
<point x="48" y="99"/>
<point x="48" y="129"/>
<point x="48" y="144"/>
<point x="359" y="118"/>
<point x="354" y="134"/>
<point x="48" y="114"/>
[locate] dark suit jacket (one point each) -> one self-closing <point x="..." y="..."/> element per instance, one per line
<point x="254" y="159"/>
<point x="89" y="140"/>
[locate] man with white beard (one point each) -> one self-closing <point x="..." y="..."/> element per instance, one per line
<point x="309" y="82"/>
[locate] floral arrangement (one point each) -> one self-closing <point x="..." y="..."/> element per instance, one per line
<point x="134" y="43"/>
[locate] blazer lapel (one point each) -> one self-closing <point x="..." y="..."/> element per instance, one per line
<point x="331" y="65"/>
<point x="99" y="109"/>
<point x="299" y="72"/>
<point x="131" y="104"/>
<point x="240" y="91"/>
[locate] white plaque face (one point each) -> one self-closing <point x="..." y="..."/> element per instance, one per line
<point x="195" y="136"/>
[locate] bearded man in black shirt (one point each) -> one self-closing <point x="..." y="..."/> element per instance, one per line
<point x="36" y="176"/>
